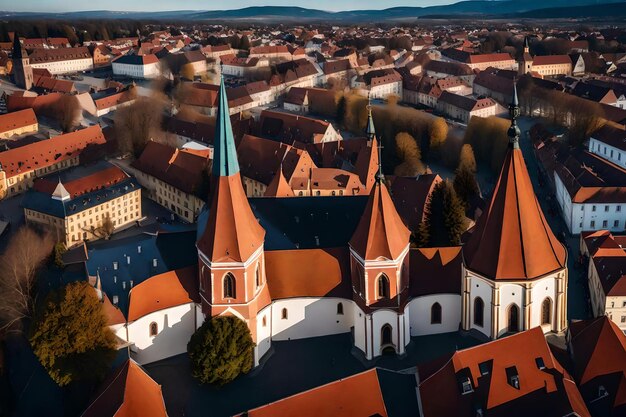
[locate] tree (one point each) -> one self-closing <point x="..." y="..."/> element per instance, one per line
<point x="188" y="72"/>
<point x="59" y="250"/>
<point x="437" y="132"/>
<point x="467" y="159"/>
<point x="586" y="117"/>
<point x="138" y="123"/>
<point x="489" y="140"/>
<point x="66" y="111"/>
<point x="465" y="185"/>
<point x="25" y="254"/>
<point x="409" y="154"/>
<point x="445" y="216"/>
<point x="70" y="335"/>
<point x="221" y="350"/>
<point x="106" y="229"/>
<point x="420" y="237"/>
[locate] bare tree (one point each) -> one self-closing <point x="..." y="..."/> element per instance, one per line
<point x="138" y="123"/>
<point x="26" y="253"/>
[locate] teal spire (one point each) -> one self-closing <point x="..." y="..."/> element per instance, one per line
<point x="224" y="153"/>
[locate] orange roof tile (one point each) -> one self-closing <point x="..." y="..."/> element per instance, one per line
<point x="355" y="396"/>
<point x="512" y="239"/>
<point x="381" y="233"/>
<point x="170" y="289"/>
<point x="128" y="392"/>
<point x="16" y="120"/>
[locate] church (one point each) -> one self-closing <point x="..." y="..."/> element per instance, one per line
<point x="295" y="268"/>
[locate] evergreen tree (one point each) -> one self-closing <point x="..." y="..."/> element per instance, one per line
<point x="221" y="350"/>
<point x="420" y="237"/>
<point x="465" y="185"/>
<point x="445" y="216"/>
<point x="71" y="337"/>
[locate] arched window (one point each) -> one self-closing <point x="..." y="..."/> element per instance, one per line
<point x="513" y="318"/>
<point x="154" y="329"/>
<point x="258" y="276"/>
<point x="284" y="314"/>
<point x="479" y="310"/>
<point x="546" y="311"/>
<point x="435" y="314"/>
<point x="383" y="286"/>
<point x="264" y="321"/>
<point x="385" y="335"/>
<point x="340" y="308"/>
<point x="229" y="285"/>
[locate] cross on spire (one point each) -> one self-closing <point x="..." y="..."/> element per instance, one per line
<point x="514" y="132"/>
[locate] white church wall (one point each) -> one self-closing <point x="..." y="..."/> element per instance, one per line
<point x="175" y="327"/>
<point x="379" y="319"/>
<point x="360" y="321"/>
<point x="264" y="332"/>
<point x="541" y="289"/>
<point x="310" y="317"/>
<point x="479" y="287"/>
<point x="510" y="294"/>
<point x="420" y="314"/>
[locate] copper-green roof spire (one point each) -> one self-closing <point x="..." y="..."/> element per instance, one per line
<point x="224" y="153"/>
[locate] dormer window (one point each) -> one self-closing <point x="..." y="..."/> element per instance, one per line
<point x="602" y="392"/>
<point x="466" y="386"/>
<point x="512" y="377"/>
<point x="484" y="368"/>
<point x="540" y="363"/>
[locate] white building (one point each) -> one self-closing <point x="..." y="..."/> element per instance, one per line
<point x="137" y="66"/>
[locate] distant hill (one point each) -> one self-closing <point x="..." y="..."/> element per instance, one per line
<point x="485" y="8"/>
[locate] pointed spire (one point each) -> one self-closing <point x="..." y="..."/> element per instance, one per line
<point x="514" y="131"/>
<point x="224" y="153"/>
<point x="371" y="130"/>
<point x="17" y="47"/>
<point x="526" y="46"/>
<point x="380" y="177"/>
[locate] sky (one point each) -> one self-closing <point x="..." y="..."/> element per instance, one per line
<point x="158" y="5"/>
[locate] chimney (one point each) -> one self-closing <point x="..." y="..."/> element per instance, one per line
<point x="115" y="265"/>
<point x="154" y="262"/>
<point x="128" y="260"/>
<point x="115" y="299"/>
<point x="139" y="249"/>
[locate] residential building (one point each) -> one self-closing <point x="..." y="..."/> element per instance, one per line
<point x="177" y="179"/>
<point x="137" y="66"/>
<point x="606" y="274"/>
<point x="62" y="60"/>
<point x="464" y="108"/>
<point x="84" y="203"/>
<point x="18" y="123"/>
<point x="20" y="166"/>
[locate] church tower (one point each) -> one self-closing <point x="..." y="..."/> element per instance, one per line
<point x="379" y="247"/>
<point x="22" y="71"/>
<point x="525" y="64"/>
<point x="230" y="249"/>
<point x="515" y="273"/>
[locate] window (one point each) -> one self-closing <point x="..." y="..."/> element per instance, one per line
<point x="229" y="285"/>
<point x="513" y="318"/>
<point x="383" y="287"/>
<point x="479" y="309"/>
<point x="435" y="314"/>
<point x="606" y="208"/>
<point x="385" y="335"/>
<point x="616" y="223"/>
<point x="593" y="223"/>
<point x="284" y="314"/>
<point x="623" y="319"/>
<point x="484" y="368"/>
<point x="258" y="276"/>
<point x="593" y="208"/>
<point x="604" y="223"/>
<point x="264" y="321"/>
<point x="340" y="308"/>
<point x="618" y="208"/>
<point x="154" y="329"/>
<point x="546" y="311"/>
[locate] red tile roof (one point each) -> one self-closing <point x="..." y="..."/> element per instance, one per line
<point x="47" y="152"/>
<point x="128" y="392"/>
<point x="16" y="120"/>
<point x="170" y="289"/>
<point x="512" y="239"/>
<point x="100" y="179"/>
<point x="355" y="396"/>
<point x="381" y="233"/>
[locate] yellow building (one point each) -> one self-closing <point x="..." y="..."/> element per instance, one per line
<point x="84" y="203"/>
<point x="18" y="123"/>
